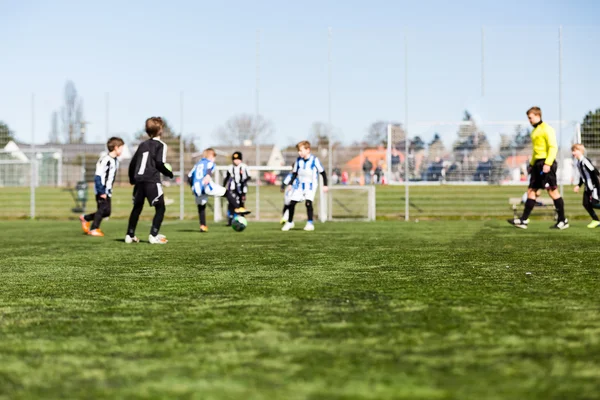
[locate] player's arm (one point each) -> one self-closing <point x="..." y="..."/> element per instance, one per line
<point x="552" y="146"/>
<point x="190" y="177"/>
<point x="100" y="176"/>
<point x="161" y="161"/>
<point x="321" y="171"/>
<point x="132" y="167"/>
<point x="227" y="178"/>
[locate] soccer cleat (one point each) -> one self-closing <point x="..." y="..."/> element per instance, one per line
<point x="593" y="224"/>
<point x="288" y="226"/>
<point x="517" y="223"/>
<point x="204" y="228"/>
<point x="309" y="226"/>
<point x="96" y="232"/>
<point x="241" y="211"/>
<point x="85" y="225"/>
<point x="285" y="217"/>
<point x="129" y="239"/>
<point x="158" y="239"/>
<point x="561" y="225"/>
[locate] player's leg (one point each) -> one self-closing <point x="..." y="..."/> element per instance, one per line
<point x="310" y="198"/>
<point x="100" y="213"/>
<point x="589" y="207"/>
<point x="87" y="219"/>
<point x="535" y="183"/>
<point x="139" y="196"/>
<point x="296" y="197"/>
<point x="154" y="191"/>
<point x="201" y="202"/>
<point x="551" y="185"/>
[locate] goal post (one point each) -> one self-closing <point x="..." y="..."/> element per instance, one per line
<point x="351" y="203"/>
<point x="340" y="203"/>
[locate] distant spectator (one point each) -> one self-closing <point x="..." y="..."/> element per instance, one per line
<point x="483" y="171"/>
<point x="378" y="174"/>
<point x="345" y="178"/>
<point x="367" y="169"/>
<point x="395" y="164"/>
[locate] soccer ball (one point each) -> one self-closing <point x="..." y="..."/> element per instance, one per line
<point x="239" y="223"/>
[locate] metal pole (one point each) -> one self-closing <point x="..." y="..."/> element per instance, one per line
<point x="329" y="150"/>
<point x="106" y="115"/>
<point x="257" y="111"/>
<point x="560" y="88"/>
<point x="329" y="120"/>
<point x="406" y="172"/>
<point x="32" y="161"/>
<point x="482" y="62"/>
<point x="181" y="155"/>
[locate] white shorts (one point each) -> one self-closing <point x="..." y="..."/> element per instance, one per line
<point x="211" y="189"/>
<point x="300" y="194"/>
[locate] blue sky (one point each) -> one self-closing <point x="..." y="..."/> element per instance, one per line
<point x="145" y="53"/>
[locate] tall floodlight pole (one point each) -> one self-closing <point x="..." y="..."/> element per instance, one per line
<point x="181" y="156"/>
<point x="406" y="172"/>
<point x="560" y="88"/>
<point x="482" y="62"/>
<point x="330" y="130"/>
<point x="329" y="120"/>
<point x="32" y="161"/>
<point x="256" y="124"/>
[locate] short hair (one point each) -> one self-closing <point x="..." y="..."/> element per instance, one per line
<point x="304" y="143"/>
<point x="210" y="152"/>
<point x="535" y="111"/>
<point x="578" y="146"/>
<point x="154" y="126"/>
<point x="114" y="142"/>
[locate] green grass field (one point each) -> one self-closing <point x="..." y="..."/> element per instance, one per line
<point x="385" y="310"/>
<point x="426" y="202"/>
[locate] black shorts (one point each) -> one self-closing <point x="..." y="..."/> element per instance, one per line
<point x="151" y="191"/>
<point x="539" y="180"/>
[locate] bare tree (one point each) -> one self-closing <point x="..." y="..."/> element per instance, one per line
<point x="377" y="133"/>
<point x="54" y="134"/>
<point x="319" y="134"/>
<point x="72" y="114"/>
<point x="245" y="128"/>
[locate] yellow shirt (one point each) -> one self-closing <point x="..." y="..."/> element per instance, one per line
<point x="543" y="140"/>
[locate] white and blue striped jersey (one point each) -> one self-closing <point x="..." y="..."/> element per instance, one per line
<point x="307" y="171"/>
<point x="196" y="176"/>
<point x="106" y="171"/>
<point x="288" y="178"/>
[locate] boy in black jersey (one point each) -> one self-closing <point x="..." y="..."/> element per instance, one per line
<point x="149" y="161"/>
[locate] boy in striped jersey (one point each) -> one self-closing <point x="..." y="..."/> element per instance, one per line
<point x="588" y="176"/>
<point x="106" y="170"/>
<point x="236" y="182"/>
<point x="200" y="179"/>
<point x="306" y="169"/>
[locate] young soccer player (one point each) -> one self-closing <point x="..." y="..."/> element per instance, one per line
<point x="588" y="176"/>
<point x="106" y="170"/>
<point x="287" y="197"/>
<point x="148" y="162"/>
<point x="236" y="182"/>
<point x="542" y="169"/>
<point x="200" y="179"/>
<point x="306" y="169"/>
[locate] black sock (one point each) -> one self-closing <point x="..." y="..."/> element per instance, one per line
<point x="309" y="210"/>
<point x="158" y="218"/>
<point x="559" y="204"/>
<point x="292" y="208"/>
<point x="202" y="214"/>
<point x="133" y="218"/>
<point x="285" y="208"/>
<point x="529" y="204"/>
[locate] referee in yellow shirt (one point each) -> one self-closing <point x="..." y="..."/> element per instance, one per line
<point x="542" y="169"/>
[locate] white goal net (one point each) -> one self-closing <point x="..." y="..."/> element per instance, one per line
<point x="265" y="200"/>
